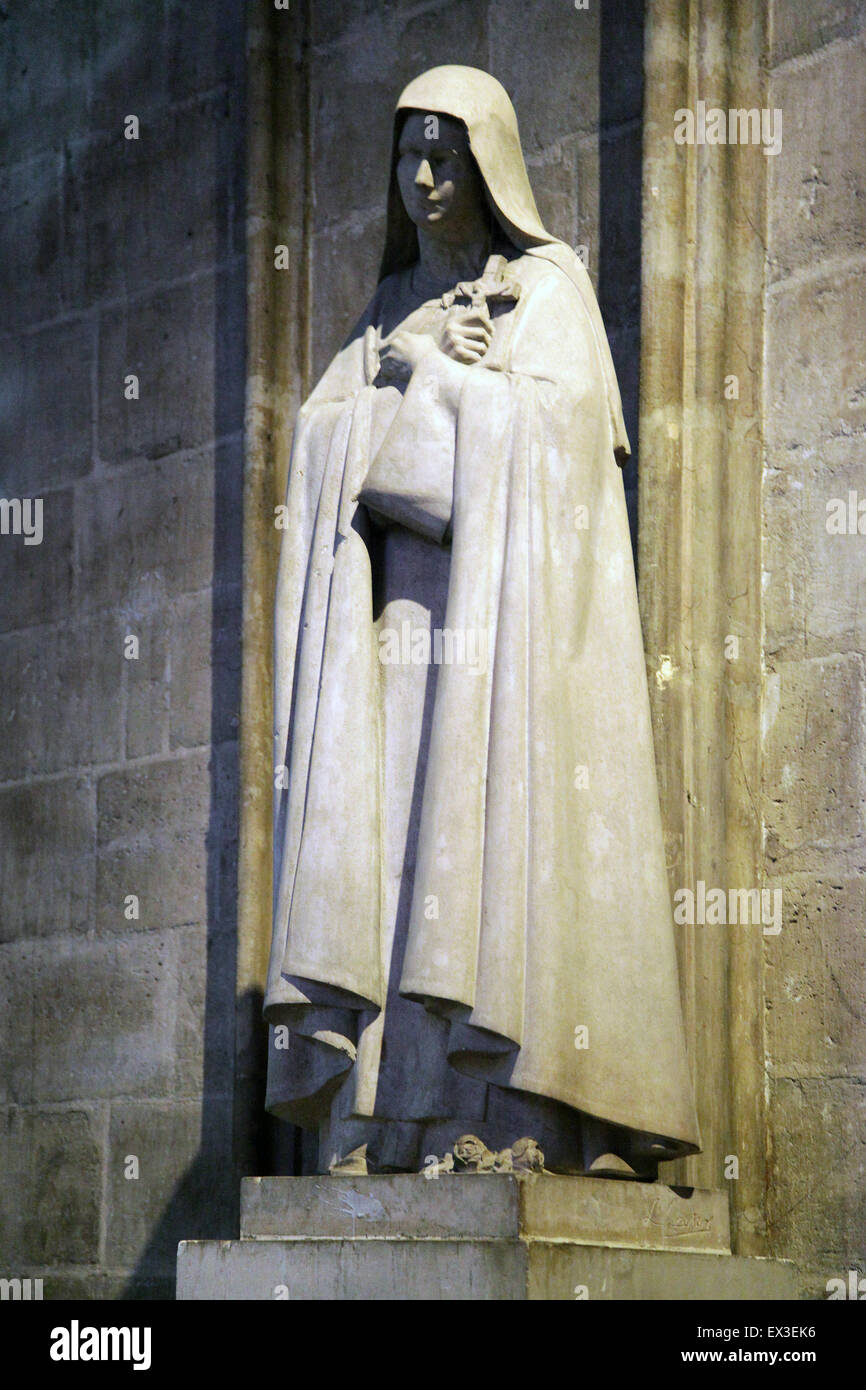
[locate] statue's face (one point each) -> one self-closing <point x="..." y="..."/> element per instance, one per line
<point x="440" y="185"/>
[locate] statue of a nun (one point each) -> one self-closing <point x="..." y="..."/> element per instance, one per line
<point x="472" y="924"/>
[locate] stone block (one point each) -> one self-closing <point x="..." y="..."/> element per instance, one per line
<point x="60" y="703"/>
<point x="814" y="1275"/>
<point x="354" y="95"/>
<point x="786" y="558"/>
<point x="46" y="857"/>
<point x="30" y="239"/>
<point x="51" y="1192"/>
<point x="186" y="347"/>
<point x="495" y="1206"/>
<point x="466" y="1270"/>
<point x="44" y="75"/>
<point x="559" y="1270"/>
<point x="204" y="48"/>
<point x="124" y="194"/>
<point x="205" y="668"/>
<point x="335" y="23"/>
<point x="816" y="1024"/>
<point x="552" y="78"/>
<point x="817" y="185"/>
<point x="812" y="576"/>
<point x="204" y="1031"/>
<point x="46" y="408"/>
<point x="16" y="1022"/>
<point x="389" y="1206"/>
<point x="126" y="59"/>
<point x="184" y="1180"/>
<point x="150" y="533"/>
<point x="87" y="1286"/>
<point x="817" y="1192"/>
<point x="103" y="1017"/>
<point x="595" y="1211"/>
<point x="147" y="681"/>
<point x="553" y="174"/>
<point x="153" y="830"/>
<point x="815" y="354"/>
<point x="589" y="172"/>
<point x="351" y="110"/>
<point x="814" y="780"/>
<point x="395" y="1270"/>
<point x="343" y="284"/>
<point x="36" y="580"/>
<point x="801" y="29"/>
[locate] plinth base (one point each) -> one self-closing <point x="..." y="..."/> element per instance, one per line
<point x="484" y="1236"/>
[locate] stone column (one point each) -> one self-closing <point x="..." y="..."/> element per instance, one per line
<point x="699" y="550"/>
<point x="278" y="379"/>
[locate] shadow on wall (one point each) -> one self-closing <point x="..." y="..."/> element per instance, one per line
<point x="204" y="1203"/>
<point x="620" y="86"/>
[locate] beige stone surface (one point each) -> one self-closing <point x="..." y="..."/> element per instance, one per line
<point x="817" y="188"/>
<point x="801" y="31"/>
<point x="813" y="712"/>
<point x="487" y="1206"/>
<point x="815" y="370"/>
<point x="813" y="577"/>
<point x="51" y="1163"/>
<point x="560" y="1271"/>
<point x="817" y="1196"/>
<point x="49" y="837"/>
<point x="815" y="1009"/>
<point x="469" y="1269"/>
<point x="815" y="755"/>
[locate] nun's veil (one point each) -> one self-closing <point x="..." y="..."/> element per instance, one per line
<point x="484" y="107"/>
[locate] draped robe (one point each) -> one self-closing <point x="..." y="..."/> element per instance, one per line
<point x="472" y="925"/>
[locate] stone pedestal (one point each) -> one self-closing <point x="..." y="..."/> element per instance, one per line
<point x="473" y="1236"/>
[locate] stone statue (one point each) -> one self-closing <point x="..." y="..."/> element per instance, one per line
<point x="472" y="925"/>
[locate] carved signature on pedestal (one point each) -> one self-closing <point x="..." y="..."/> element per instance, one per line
<point x="667" y="1212"/>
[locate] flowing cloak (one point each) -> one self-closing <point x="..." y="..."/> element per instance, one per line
<point x="540" y="927"/>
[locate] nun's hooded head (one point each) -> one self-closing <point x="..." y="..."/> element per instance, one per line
<point x="483" y="105"/>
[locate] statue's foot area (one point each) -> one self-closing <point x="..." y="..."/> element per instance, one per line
<point x="612" y="1166"/>
<point x="354" y="1165"/>
<point x="471" y="1155"/>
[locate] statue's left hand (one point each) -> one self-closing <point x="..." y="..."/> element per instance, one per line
<point x="407" y="349"/>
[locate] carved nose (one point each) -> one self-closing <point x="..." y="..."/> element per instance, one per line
<point x="424" y="175"/>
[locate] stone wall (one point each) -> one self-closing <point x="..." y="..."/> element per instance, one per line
<point x="815" y="640"/>
<point x="118" y="776"/>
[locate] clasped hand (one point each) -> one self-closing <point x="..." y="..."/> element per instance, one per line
<point x="465" y="337"/>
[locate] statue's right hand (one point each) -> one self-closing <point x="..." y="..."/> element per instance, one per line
<point x="467" y="335"/>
